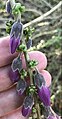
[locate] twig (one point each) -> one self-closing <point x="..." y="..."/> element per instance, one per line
<point x="48" y="4"/>
<point x="44" y="33"/>
<point x="34" y="10"/>
<point x="44" y="15"/>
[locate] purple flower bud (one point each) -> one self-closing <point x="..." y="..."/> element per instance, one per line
<point x="14" y="76"/>
<point x="15" y="36"/>
<point x="17" y="64"/>
<point x="21" y="86"/>
<point x="38" y="79"/>
<point x="8" y="7"/>
<point x="27" y="105"/>
<point x="29" y="43"/>
<point x="44" y="95"/>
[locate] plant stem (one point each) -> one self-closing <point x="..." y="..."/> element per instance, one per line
<point x="27" y="59"/>
<point x="31" y="83"/>
<point x="28" y="69"/>
<point x="37" y="107"/>
<point x="38" y="111"/>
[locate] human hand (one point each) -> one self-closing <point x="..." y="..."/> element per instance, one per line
<point x="10" y="102"/>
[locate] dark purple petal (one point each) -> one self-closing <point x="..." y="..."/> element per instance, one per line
<point x="14" y="76"/>
<point x="17" y="64"/>
<point x="21" y="86"/>
<point x="15" y="36"/>
<point x="44" y="95"/>
<point x="14" y="43"/>
<point x="27" y="105"/>
<point x="8" y="7"/>
<point x="26" y="111"/>
<point x="29" y="43"/>
<point x="38" y="79"/>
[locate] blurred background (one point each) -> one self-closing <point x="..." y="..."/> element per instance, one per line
<point x="47" y="38"/>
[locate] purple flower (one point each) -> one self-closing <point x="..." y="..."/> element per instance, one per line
<point x="27" y="105"/>
<point x="14" y="76"/>
<point x="21" y="86"/>
<point x="38" y="79"/>
<point x="29" y="43"/>
<point x="17" y="64"/>
<point x="44" y="95"/>
<point x="8" y="7"/>
<point x="15" y="36"/>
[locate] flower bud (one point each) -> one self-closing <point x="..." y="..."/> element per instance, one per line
<point x="21" y="86"/>
<point x="29" y="43"/>
<point x="14" y="76"/>
<point x="38" y="79"/>
<point x="44" y="95"/>
<point x="27" y="105"/>
<point x="17" y="64"/>
<point x="8" y="7"/>
<point x="15" y="35"/>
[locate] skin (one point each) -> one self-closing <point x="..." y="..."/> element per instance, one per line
<point x="10" y="102"/>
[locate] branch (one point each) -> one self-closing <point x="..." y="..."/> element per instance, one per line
<point x="43" y="16"/>
<point x="48" y="4"/>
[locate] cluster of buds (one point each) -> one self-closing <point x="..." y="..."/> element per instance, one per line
<point x="37" y="86"/>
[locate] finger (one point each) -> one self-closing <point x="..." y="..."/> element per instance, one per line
<point x="5" y="81"/>
<point x="38" y="56"/>
<point x="47" y="77"/>
<point x="4" y="71"/>
<point x="5" y="56"/>
<point x="16" y="114"/>
<point x="9" y="100"/>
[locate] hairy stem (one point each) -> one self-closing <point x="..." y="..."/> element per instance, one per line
<point x="31" y="83"/>
<point x="37" y="107"/>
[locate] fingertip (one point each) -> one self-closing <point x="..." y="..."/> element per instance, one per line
<point x="40" y="57"/>
<point x="47" y="77"/>
<point x="4" y="41"/>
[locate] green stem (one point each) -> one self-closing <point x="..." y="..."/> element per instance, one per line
<point x="28" y="69"/>
<point x="31" y="82"/>
<point x="37" y="107"/>
<point x="38" y="111"/>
